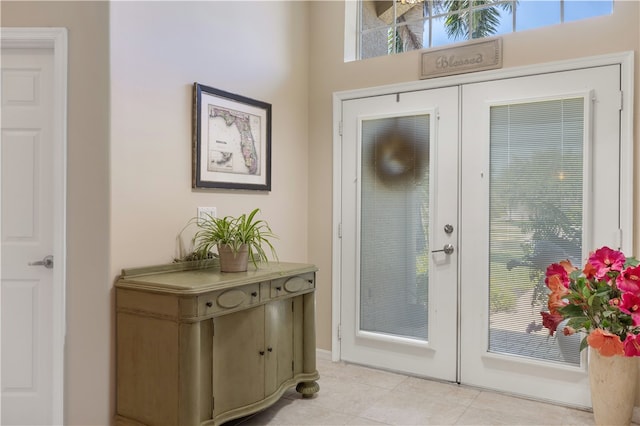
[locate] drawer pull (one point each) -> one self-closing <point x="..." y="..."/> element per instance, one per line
<point x="209" y="304"/>
<point x="254" y="293"/>
<point x="278" y="288"/>
<point x="231" y="298"/>
<point x="270" y="349"/>
<point x="261" y="353"/>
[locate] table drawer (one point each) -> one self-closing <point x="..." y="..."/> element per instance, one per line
<point x="291" y="285"/>
<point x="222" y="300"/>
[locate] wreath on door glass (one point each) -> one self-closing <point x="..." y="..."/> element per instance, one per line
<point x="399" y="158"/>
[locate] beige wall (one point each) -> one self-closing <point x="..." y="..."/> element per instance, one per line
<point x="131" y="71"/>
<point x="130" y="136"/>
<point x="328" y="74"/>
<point x="88" y="346"/>
<point x="158" y="50"/>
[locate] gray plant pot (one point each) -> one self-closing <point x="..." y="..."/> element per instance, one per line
<point x="231" y="261"/>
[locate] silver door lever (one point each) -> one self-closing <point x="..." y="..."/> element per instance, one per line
<point x="447" y="249"/>
<point x="47" y="262"/>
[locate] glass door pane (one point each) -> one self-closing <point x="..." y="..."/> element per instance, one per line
<point x="394" y="243"/>
<point x="535" y="219"/>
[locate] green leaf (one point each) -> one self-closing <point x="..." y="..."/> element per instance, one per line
<point x="571" y="311"/>
<point x="583" y="343"/>
<point x="631" y="261"/>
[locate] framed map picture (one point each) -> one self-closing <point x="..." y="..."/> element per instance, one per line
<point x="231" y="141"/>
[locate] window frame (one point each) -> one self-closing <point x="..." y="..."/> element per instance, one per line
<point x="354" y="21"/>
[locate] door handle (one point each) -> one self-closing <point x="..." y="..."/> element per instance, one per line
<point x="47" y="262"/>
<point x="447" y="249"/>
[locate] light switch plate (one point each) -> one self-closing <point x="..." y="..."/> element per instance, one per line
<point x="205" y="212"/>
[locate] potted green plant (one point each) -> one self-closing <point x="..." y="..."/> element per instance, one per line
<point x="237" y="239"/>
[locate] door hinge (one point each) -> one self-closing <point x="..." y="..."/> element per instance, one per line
<point x="213" y="328"/>
<point x="618" y="239"/>
<point x="340" y="230"/>
<point x="292" y="366"/>
<point x="340" y="127"/>
<point x="339" y="331"/>
<point x="620" y="98"/>
<point x="213" y="404"/>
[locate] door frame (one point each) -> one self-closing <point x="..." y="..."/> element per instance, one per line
<point x="624" y="59"/>
<point x="57" y="40"/>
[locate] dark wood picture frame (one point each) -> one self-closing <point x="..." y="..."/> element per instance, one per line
<point x="231" y="140"/>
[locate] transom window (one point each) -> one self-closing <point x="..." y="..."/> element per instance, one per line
<point x="388" y="27"/>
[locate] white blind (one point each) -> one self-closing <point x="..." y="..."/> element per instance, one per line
<point x="394" y="214"/>
<point x="536" y="176"/>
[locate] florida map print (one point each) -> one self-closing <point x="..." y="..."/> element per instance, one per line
<point x="232" y="146"/>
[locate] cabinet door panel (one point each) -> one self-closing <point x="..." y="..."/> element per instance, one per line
<point x="279" y="343"/>
<point x="238" y="366"/>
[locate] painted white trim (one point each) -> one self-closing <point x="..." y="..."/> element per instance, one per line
<point x="625" y="59"/>
<point x="626" y="151"/>
<point x="56" y="39"/>
<point x="336" y="263"/>
<point x="351" y="24"/>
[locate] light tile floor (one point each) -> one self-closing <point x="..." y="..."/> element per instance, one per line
<point x="355" y="395"/>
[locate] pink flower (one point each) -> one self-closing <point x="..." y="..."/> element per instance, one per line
<point x="605" y="260"/>
<point x="630" y="304"/>
<point x="629" y="280"/>
<point x="555" y="272"/>
<point x="632" y="345"/>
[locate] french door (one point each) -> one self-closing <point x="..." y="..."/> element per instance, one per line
<point x="399" y="188"/>
<point x="454" y="200"/>
<point x="540" y="183"/>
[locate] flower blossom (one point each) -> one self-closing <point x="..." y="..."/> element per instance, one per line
<point x="558" y="290"/>
<point x="589" y="271"/>
<point x="632" y="345"/>
<point x="551" y="321"/>
<point x="630" y="304"/>
<point x="602" y="300"/>
<point x="608" y="344"/>
<point x="556" y="272"/>
<point x="629" y="280"/>
<point x="606" y="260"/>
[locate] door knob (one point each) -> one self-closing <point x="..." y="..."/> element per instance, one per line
<point x="447" y="249"/>
<point x="47" y="262"/>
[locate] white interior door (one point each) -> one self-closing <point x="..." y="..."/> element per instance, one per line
<point x="30" y="349"/>
<point x="540" y="183"/>
<point x="399" y="210"/>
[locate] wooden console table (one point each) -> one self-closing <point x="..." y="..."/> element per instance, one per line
<point x="199" y="347"/>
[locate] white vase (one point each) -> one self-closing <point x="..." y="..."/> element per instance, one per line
<point x="569" y="345"/>
<point x="613" y="388"/>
